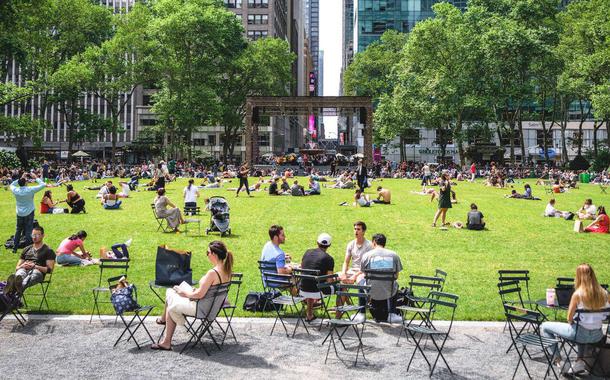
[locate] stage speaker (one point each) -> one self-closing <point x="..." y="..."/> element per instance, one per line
<point x="362" y="115"/>
<point x="255" y="115"/>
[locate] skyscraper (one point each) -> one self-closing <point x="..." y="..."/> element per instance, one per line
<point x="312" y="28"/>
<point x="374" y="17"/>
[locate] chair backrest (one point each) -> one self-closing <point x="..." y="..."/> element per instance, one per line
<point x="522" y="320"/>
<point x="441" y="274"/>
<point x="154" y="210"/>
<point x="522" y="276"/>
<point x="113" y="282"/>
<point x="106" y="264"/>
<point x="379" y="275"/>
<point x="602" y="315"/>
<point x="300" y="274"/>
<point x="358" y="292"/>
<point x="275" y="280"/>
<point x="327" y="281"/>
<point x="564" y="282"/>
<point x="266" y="266"/>
<point x="510" y="292"/>
<point x="210" y="305"/>
<point x="421" y="286"/>
<point x="448" y="301"/>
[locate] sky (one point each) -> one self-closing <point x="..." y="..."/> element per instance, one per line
<point x="330" y="41"/>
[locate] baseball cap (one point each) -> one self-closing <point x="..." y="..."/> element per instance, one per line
<point x="324" y="239"/>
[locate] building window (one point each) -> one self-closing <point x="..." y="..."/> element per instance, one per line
<point x="412" y="136"/>
<point x="233" y="3"/>
<point x="199" y="142"/>
<point x="263" y="139"/>
<point x="256" y="34"/>
<point x="540" y="138"/>
<point x="212" y="140"/>
<point x="258" y="19"/>
<point x="148" y="122"/>
<point x="258" y="3"/>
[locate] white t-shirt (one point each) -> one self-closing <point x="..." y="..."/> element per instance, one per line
<point x="125" y="188"/>
<point x="591" y="210"/>
<point x="549" y="210"/>
<point x="103" y="191"/>
<point x="356" y="252"/>
<point x="190" y="195"/>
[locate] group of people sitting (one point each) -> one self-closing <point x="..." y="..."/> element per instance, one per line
<point x="296" y="190"/>
<point x="588" y="211"/>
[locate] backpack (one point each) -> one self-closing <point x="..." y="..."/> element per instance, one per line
<point x="260" y="301"/>
<point x="9" y="244"/>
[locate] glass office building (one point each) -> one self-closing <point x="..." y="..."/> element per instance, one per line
<point x="374" y="17"/>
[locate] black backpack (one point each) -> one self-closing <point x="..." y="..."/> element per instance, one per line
<point x="259" y="301"/>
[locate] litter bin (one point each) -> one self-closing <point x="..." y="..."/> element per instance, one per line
<point x="586" y="177"/>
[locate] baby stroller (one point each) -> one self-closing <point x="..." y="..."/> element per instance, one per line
<point x="219" y="219"/>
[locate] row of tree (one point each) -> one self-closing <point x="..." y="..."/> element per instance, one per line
<point x="498" y="63"/>
<point x="192" y="52"/>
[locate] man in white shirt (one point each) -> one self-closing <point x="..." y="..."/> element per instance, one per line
<point x="353" y="254"/>
<point x="552" y="212"/>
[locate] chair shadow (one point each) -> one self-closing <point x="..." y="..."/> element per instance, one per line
<point x="233" y="355"/>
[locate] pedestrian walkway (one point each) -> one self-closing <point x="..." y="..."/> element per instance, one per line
<point x="70" y="347"/>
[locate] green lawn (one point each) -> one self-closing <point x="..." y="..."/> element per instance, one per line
<point x="518" y="238"/>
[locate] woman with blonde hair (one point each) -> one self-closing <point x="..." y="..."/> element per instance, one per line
<point x="588" y="295"/>
<point x="180" y="302"/>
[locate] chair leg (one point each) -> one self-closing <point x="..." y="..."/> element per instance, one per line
<point x="440" y="354"/>
<point x="521" y="362"/>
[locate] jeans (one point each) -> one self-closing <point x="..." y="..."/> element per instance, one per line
<point x="120" y="251"/>
<point x="243" y="182"/>
<point x="568" y="332"/>
<point x="25" y="224"/>
<point x="30" y="277"/>
<point x="115" y="206"/>
<point x="67" y="259"/>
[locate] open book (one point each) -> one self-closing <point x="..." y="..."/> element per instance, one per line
<point x="184" y="286"/>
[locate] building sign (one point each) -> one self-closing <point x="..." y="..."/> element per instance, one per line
<point x="63" y="154"/>
<point x="312" y="83"/>
<point x="437" y="151"/>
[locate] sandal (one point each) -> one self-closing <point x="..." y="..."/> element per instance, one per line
<point x="159" y="321"/>
<point x="157" y="347"/>
<point x="311" y="320"/>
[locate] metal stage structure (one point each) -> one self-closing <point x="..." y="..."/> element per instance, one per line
<point x="284" y="106"/>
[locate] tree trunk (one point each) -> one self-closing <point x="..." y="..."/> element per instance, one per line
<point x="596" y="126"/>
<point x="460" y="145"/>
<point x="402" y="148"/>
<point x="113" y="135"/>
<point x="582" y="120"/>
<point x="543" y="123"/>
<point x="521" y="137"/>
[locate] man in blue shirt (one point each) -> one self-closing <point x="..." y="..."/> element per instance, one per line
<point x="272" y="253"/>
<point x="24" y="196"/>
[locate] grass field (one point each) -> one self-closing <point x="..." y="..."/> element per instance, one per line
<point x="518" y="238"/>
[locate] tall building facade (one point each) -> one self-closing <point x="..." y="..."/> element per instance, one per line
<point x="373" y="17"/>
<point x="55" y="137"/>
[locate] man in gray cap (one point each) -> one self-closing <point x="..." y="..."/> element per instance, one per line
<point x="317" y="259"/>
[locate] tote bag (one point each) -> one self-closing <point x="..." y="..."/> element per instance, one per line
<point x="172" y="267"/>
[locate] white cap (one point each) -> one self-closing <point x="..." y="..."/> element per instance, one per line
<point x="324" y="239"/>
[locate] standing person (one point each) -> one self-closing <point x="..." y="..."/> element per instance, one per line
<point x="333" y="167"/>
<point x="353" y="254"/>
<point x="361" y="175"/>
<point x="444" y="199"/>
<point x="588" y="295"/>
<point x="35" y="262"/>
<point x="427" y="176"/>
<point x="473" y="171"/>
<point x="243" y="179"/>
<point x="316" y="259"/>
<point x="45" y="170"/>
<point x="93" y="171"/>
<point x="190" y="195"/>
<point x="24" y="197"/>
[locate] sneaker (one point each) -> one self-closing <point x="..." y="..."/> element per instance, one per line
<point x="394" y="318"/>
<point x="128" y="242"/>
<point x="577" y="368"/>
<point x="359" y="318"/>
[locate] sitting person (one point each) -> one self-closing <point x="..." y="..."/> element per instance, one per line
<point x="317" y="259"/>
<point x="111" y="200"/>
<point x="383" y="293"/>
<point x="117" y="251"/>
<point x="285" y="187"/>
<point x="361" y="199"/>
<point x="134" y="182"/>
<point x="314" y="187"/>
<point x="272" y="253"/>
<point x="588" y="295"/>
<point x="273" y="188"/>
<point x="296" y="190"/>
<point x="601" y="224"/>
<point x="384" y="196"/>
<point x="103" y="190"/>
<point x="558" y="187"/>
<point x="67" y="254"/>
<point x="35" y="262"/>
<point x="475" y="219"/>
<point x="125" y="189"/>
<point x="180" y="302"/>
<point x="587" y="211"/>
<point x="356" y="248"/>
<point x="47" y="205"/>
<point x="552" y="212"/>
<point x="171" y="214"/>
<point x="74" y="200"/>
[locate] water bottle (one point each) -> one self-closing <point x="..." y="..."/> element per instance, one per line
<point x="550" y="297"/>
